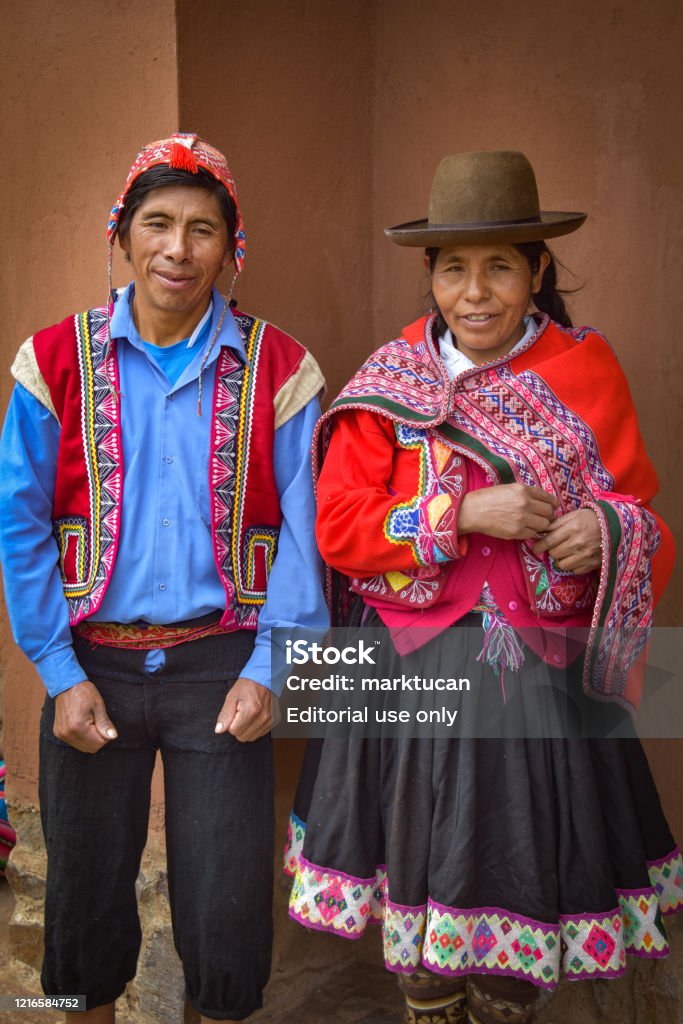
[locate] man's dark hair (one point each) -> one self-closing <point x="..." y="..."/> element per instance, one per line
<point x="163" y="176"/>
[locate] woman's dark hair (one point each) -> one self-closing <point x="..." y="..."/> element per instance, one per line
<point x="548" y="299"/>
<point x="162" y="176"/>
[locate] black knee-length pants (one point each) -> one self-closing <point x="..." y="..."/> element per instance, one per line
<point x="219" y="830"/>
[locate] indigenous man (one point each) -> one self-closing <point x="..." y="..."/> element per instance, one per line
<point x="157" y="506"/>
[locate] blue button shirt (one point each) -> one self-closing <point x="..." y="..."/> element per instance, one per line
<point x="165" y="570"/>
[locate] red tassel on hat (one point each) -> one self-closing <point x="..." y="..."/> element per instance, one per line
<point x="182" y="156"/>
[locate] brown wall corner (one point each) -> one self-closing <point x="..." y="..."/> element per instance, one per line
<point x="286" y="91"/>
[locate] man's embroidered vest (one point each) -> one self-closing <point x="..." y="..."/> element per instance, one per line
<point x="245" y="508"/>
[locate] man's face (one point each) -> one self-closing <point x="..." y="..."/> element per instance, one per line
<point x="177" y="245"/>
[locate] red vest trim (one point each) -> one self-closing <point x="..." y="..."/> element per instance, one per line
<point x="89" y="483"/>
<point x="244" y="551"/>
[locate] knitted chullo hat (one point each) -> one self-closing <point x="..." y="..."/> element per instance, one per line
<point x="184" y="151"/>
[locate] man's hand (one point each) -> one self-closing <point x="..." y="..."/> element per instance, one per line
<point x="574" y="542"/>
<point x="509" y="511"/>
<point x="81" y="718"/>
<point x="249" y="711"/>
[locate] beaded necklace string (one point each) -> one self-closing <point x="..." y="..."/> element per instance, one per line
<point x="226" y="300"/>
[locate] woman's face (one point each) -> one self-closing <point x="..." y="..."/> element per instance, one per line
<point x="483" y="292"/>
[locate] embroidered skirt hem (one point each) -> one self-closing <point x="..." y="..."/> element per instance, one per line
<point x="486" y="940"/>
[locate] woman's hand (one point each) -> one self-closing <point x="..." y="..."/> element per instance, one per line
<point x="574" y="542"/>
<point x="509" y="511"/>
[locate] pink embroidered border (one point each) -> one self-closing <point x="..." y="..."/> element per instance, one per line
<point x="490" y="940"/>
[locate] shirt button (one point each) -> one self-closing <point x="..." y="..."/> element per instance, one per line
<point x="512" y="606"/>
<point x="486" y="551"/>
<point x="170" y="397"/>
<point x="557" y="658"/>
<point x="162" y="586"/>
<point x="168" y="458"/>
<point x="165" y="522"/>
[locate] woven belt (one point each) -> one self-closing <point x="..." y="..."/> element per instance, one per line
<point x="147" y="637"/>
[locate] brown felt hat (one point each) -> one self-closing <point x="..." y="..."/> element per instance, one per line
<point x="480" y="198"/>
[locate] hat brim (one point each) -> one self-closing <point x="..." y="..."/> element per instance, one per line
<point x="550" y="224"/>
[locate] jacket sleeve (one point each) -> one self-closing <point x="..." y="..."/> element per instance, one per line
<point x="371" y="517"/>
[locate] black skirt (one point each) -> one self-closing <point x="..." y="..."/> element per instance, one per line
<point x="527" y="857"/>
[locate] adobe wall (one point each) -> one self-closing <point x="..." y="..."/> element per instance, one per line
<point x="77" y="83"/>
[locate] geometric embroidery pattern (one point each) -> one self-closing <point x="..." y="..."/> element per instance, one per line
<point x="593" y="947"/>
<point x="421" y="522"/>
<point x="332" y="900"/>
<point x="403" y="935"/>
<point x="102" y="451"/>
<point x="641" y="920"/>
<point x="488" y="939"/>
<point x="243" y="572"/>
<point x="296" y="830"/>
<point x="399" y="377"/>
<point x="244" y="566"/>
<point x="229" y="377"/>
<point x="428" y="523"/>
<point x="518" y="419"/>
<point x="666" y="876"/>
<point x="72" y="539"/>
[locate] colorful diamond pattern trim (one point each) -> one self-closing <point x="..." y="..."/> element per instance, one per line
<point x="644" y="933"/>
<point x="593" y="946"/>
<point x="296" y="830"/>
<point x="484" y="940"/>
<point x="490" y="940"/>
<point x="666" y="876"/>
<point x="326" y="899"/>
<point x="403" y="936"/>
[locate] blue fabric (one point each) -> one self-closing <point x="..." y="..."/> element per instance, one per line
<point x="165" y="570"/>
<point x="173" y="359"/>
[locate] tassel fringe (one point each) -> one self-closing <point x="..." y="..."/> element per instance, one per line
<point x="183" y="159"/>
<point x="502" y="647"/>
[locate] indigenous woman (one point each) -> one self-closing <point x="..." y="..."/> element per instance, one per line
<point x="485" y="471"/>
